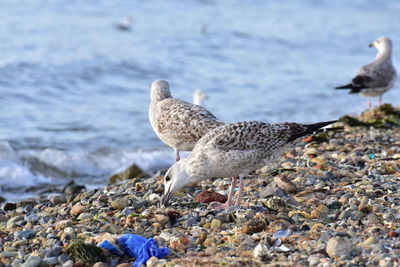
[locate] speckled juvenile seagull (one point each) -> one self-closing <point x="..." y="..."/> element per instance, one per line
<point x="177" y="123"/>
<point x="234" y="150"/>
<point x="377" y="77"/>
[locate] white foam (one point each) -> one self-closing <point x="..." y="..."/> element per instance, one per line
<point x="14" y="173"/>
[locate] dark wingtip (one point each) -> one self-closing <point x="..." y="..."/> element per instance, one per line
<point x="311" y="129"/>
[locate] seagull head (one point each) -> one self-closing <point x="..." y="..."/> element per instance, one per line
<point x="175" y="179"/>
<point x="382" y="44"/>
<point x="198" y="96"/>
<point x="159" y="90"/>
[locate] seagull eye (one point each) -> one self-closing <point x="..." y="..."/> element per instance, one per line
<point x="167" y="179"/>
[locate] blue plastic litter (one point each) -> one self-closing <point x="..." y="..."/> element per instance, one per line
<point x="371" y="156"/>
<point x="138" y="247"/>
<point x="107" y="245"/>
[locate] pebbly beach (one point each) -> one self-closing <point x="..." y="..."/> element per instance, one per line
<point x="332" y="200"/>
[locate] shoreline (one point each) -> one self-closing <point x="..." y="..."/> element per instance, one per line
<point x="332" y="203"/>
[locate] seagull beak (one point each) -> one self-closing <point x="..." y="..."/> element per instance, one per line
<point x="371" y="45"/>
<point x="166" y="197"/>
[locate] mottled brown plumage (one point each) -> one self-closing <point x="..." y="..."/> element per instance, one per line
<point x="234" y="150"/>
<point x="178" y="123"/>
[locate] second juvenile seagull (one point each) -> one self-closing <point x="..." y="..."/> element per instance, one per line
<point x="234" y="150"/>
<point x="377" y="77"/>
<point x="178" y="123"/>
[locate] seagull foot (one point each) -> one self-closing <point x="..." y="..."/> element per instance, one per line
<point x="218" y="205"/>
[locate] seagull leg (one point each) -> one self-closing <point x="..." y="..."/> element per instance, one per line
<point x="239" y="197"/>
<point x="177" y="155"/>
<point x="217" y="205"/>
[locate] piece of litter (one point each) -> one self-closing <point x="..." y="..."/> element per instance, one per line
<point x="137" y="247"/>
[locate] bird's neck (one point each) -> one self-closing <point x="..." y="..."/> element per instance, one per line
<point x="384" y="54"/>
<point x="197" y="100"/>
<point x="158" y="95"/>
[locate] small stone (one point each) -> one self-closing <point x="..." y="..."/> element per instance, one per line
<point x="119" y="204"/>
<point x="33" y="218"/>
<point x="103" y="198"/>
<point x="216" y="224"/>
<point x="126" y="211"/>
<point x="347" y="213"/>
<point x="365" y="208"/>
<point x="211" y="250"/>
<point x="261" y="253"/>
<point x="63" y="258"/>
<point x="50" y="261"/>
<point x="15" y="220"/>
<point x="208" y="197"/>
<point x="77" y="209"/>
<point x="63" y="224"/>
<point x="8" y="254"/>
<point x="166" y="236"/>
<point x="272" y="191"/>
<point x="100" y="264"/>
<point x="369" y="241"/>
<point x="338" y="247"/>
<point x="284" y="183"/>
<point x="9" y="206"/>
<point x="84" y="216"/>
<point x="253" y="226"/>
<point x="25" y="234"/>
<point x="152" y="262"/>
<point x="19" y="243"/>
<point x="58" y="199"/>
<point x="392" y="234"/>
<point x="161" y="218"/>
<point x="132" y="171"/>
<point x="313" y="260"/>
<point x="124" y="265"/>
<point x="69" y="263"/>
<point x="32" y="261"/>
<point x="179" y="244"/>
<point x="153" y="197"/>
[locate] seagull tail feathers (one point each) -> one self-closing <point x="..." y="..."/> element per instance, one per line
<point x="353" y="89"/>
<point x="309" y="129"/>
<point x="347" y="86"/>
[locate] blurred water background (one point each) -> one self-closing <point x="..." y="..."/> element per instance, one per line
<point x="74" y="91"/>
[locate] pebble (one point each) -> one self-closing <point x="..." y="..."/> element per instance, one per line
<point x="63" y="224"/>
<point x="25" y="234"/>
<point x="58" y="199"/>
<point x="9" y="206"/>
<point x="261" y="253"/>
<point x="32" y="261"/>
<point x="69" y="263"/>
<point x="85" y="216"/>
<point x="63" y="258"/>
<point x="77" y="209"/>
<point x="216" y="224"/>
<point x="119" y="204"/>
<point x="50" y="261"/>
<point x="100" y="264"/>
<point x="338" y="247"/>
<point x="272" y="191"/>
<point x="208" y="197"/>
